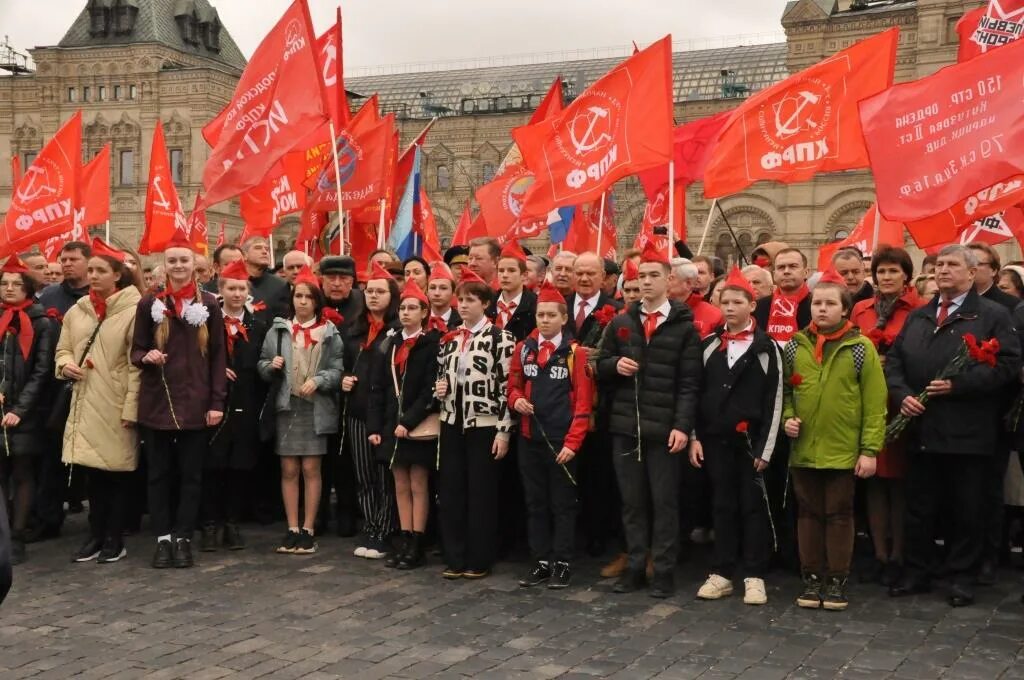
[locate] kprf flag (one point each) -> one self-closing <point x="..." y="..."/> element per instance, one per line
<point x="998" y="23"/>
<point x="501" y="199"/>
<point x="804" y="125"/>
<point x="362" y="176"/>
<point x="996" y="229"/>
<point x="550" y="106"/>
<point x="692" y="144"/>
<point x="948" y="149"/>
<point x="265" y="204"/>
<point x="619" y="126"/>
<point x="329" y="64"/>
<point x="277" y="101"/>
<point x="43" y="202"/>
<point x="862" y="237"/>
<point x="164" y="215"/>
<point x="92" y="207"/>
<point x="656" y="215"/>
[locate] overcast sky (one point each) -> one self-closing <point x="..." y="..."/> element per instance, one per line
<point x="386" y="32"/>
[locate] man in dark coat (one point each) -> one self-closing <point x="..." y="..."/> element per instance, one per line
<point x="788" y="308"/>
<point x="267" y="288"/>
<point x="650" y="362"/>
<point x="952" y="438"/>
<point x="338" y="273"/>
<point x="849" y="264"/>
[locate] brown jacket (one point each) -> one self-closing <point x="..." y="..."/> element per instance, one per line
<point x="196" y="384"/>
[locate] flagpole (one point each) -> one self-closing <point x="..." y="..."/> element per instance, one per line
<point x="380" y="226"/>
<point x="671" y="206"/>
<point x="337" y="185"/>
<point x="270" y="242"/>
<point x="600" y="226"/>
<point x="878" y="224"/>
<point x="707" y="225"/>
<point x="107" y="232"/>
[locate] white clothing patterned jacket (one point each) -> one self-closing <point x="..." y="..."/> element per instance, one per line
<point x="485" y="375"/>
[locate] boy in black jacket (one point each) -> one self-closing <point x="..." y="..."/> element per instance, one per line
<point x="738" y="421"/>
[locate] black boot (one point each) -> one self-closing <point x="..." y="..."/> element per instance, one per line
<point x="208" y="540"/>
<point x="18" y="548"/>
<point x="402" y="543"/>
<point x="413" y="556"/>
<point x="232" y="538"/>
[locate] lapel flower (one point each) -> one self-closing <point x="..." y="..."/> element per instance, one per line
<point x="623" y="333"/>
<point x="332" y="315"/>
<point x="742" y="427"/>
<point x="195" y="314"/>
<point x="604" y="315"/>
<point x="796" y="380"/>
<point x="159" y="311"/>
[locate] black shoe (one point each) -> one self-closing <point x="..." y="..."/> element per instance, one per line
<point x="834" y="597"/>
<point x="113" y="551"/>
<point x="75" y="507"/>
<point x="18" y="554"/>
<point x="414" y="557"/>
<point x="892" y="575"/>
<point x="873" y="573"/>
<point x="289" y="543"/>
<point x="346" y="526"/>
<point x="910" y="586"/>
<point x="987" y="574"/>
<point x="89" y="551"/>
<point x="401" y="545"/>
<point x="208" y="540"/>
<point x="38" y="533"/>
<point x="960" y="595"/>
<point x="561" y="576"/>
<point x="182" y="553"/>
<point x="810" y="598"/>
<point x="540" y="573"/>
<point x="452" y="573"/>
<point x="163" y="558"/>
<point x="630" y="581"/>
<point x="662" y="586"/>
<point x="306" y="544"/>
<point x="232" y="538"/>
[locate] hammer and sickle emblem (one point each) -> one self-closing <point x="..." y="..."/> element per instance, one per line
<point x="785" y="307"/>
<point x="161" y="201"/>
<point x="330" y="55"/>
<point x="588" y="141"/>
<point x="34" y="185"/>
<point x="793" y="123"/>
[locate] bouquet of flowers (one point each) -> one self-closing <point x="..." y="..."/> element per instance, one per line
<point x="603" y="316"/>
<point x="984" y="352"/>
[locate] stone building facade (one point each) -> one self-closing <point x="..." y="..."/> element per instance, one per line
<point x="166" y="69"/>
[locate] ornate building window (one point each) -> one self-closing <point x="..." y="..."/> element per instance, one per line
<point x="127" y="168"/>
<point x="125" y="14"/>
<point x="28" y="158"/>
<point x="117" y="92"/>
<point x="99" y="18"/>
<point x="72" y="94"/>
<point x="86" y="93"/>
<point x="177" y="157"/>
<point x="101" y="92"/>
<point x="132" y="91"/>
<point x="444" y="180"/>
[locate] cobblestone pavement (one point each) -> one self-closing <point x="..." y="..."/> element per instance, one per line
<point x="256" y="614"/>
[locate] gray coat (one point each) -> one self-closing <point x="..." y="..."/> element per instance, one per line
<point x="327" y="397"/>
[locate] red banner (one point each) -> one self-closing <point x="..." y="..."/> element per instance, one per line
<point x="164" y="215"/>
<point x="362" y="166"/>
<point x="986" y="28"/>
<point x="462" y="236"/>
<point x="656" y="215"/>
<point x="804" y="125"/>
<point x="948" y="149"/>
<point x="501" y="199"/>
<point x="425" y="225"/>
<point x="582" y="236"/>
<point x="43" y="202"/>
<point x="196" y="230"/>
<point x="264" y="205"/>
<point x="620" y="125"/>
<point x="692" y="145"/>
<point x="277" y="101"/>
<point x="862" y="237"/>
<point x="996" y="229"/>
<point x="93" y="204"/>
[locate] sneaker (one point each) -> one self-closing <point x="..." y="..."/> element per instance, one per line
<point x="18" y="554"/>
<point x="715" y="588"/>
<point x="290" y="543"/>
<point x="208" y="539"/>
<point x="561" y="576"/>
<point x="232" y="538"/>
<point x="540" y="573"/>
<point x="306" y="544"/>
<point x="89" y="551"/>
<point x="113" y="551"/>
<point x="834" y="599"/>
<point x="362" y="545"/>
<point x="182" y="553"/>
<point x="452" y="573"/>
<point x="163" y="558"/>
<point x="810" y="598"/>
<point x="753" y="591"/>
<point x="474" y="574"/>
<point x="376" y="550"/>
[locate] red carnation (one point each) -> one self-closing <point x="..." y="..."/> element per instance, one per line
<point x="89" y="364"/>
<point x="796" y="380"/>
<point x="742" y="427"/>
<point x="623" y="333"/>
<point x="259" y="306"/>
<point x="605" y="315"/>
<point x="54" y="313"/>
<point x="332" y="315"/>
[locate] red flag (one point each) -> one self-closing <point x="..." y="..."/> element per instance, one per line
<point x="889" y="233"/>
<point x="948" y="149"/>
<point x="549" y="107"/>
<point x="426" y="226"/>
<point x="164" y="215"/>
<point x="986" y="28"/>
<point x="362" y="162"/>
<point x="196" y="230"/>
<point x="362" y="242"/>
<point x="461" y="236"/>
<point x="656" y="215"/>
<point x="329" y="66"/>
<point x="264" y="205"/>
<point x="93" y="205"/>
<point x="211" y="131"/>
<point x="692" y="145"/>
<point x="279" y="98"/>
<point x="15" y="170"/>
<point x="996" y="229"/>
<point x="220" y="235"/>
<point x="43" y="202"/>
<point x="582" y="236"/>
<point x="804" y="125"/>
<point x="501" y="199"/>
<point x="620" y="125"/>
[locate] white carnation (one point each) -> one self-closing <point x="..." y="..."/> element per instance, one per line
<point x="195" y="314"/>
<point x="158" y="311"/>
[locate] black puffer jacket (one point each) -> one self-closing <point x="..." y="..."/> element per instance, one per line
<point x="970" y="420"/>
<point x="27" y="384"/>
<point x="669" y="377"/>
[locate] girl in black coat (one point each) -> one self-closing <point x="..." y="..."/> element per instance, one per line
<point x="375" y="488"/>
<point x="28" y="338"/>
<point x="401" y="398"/>
<point x="235" y="443"/>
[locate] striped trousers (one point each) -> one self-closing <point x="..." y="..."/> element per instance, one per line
<point x="375" y="485"/>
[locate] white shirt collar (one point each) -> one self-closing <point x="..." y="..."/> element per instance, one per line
<point x="444" y="317"/>
<point x="239" y="316"/>
<point x="556" y="341"/>
<point x="479" y="325"/>
<point x="514" y="301"/>
<point x="955" y="302"/>
<point x="414" y="335"/>
<point x="591" y="302"/>
<point x="664" y="309"/>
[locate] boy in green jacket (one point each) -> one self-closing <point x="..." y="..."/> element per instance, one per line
<point x="835" y="406"/>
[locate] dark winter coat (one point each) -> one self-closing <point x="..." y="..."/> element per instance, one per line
<point x="524" y="316"/>
<point x="272" y="291"/>
<point x="969" y="420"/>
<point x="358" y="362"/>
<point x="61" y="296"/>
<point x="669" y="377"/>
<point x="582" y="335"/>
<point x="27" y="384"/>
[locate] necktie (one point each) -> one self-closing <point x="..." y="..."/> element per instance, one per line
<point x="944" y="306"/>
<point x="547" y="348"/>
<point x="505" y="313"/>
<point x="651" y="324"/>
<point x="305" y="332"/>
<point x="581" y="315"/>
<point x="402" y="353"/>
<point x="727" y="336"/>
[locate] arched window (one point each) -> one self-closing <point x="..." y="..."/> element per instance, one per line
<point x="444" y="180"/>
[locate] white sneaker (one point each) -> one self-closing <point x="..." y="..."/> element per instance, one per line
<point x="374" y="554"/>
<point x="715" y="588"/>
<point x="360" y="551"/>
<point x="753" y="591"/>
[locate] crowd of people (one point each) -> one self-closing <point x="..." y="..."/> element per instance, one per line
<point x="459" y="406"/>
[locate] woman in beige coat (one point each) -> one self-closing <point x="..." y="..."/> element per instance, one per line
<point x="100" y="432"/>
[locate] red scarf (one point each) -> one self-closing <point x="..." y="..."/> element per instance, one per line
<point x="306" y="332"/>
<point x="181" y="297"/>
<point x="822" y="338"/>
<point x="436" y="323"/>
<point x="782" y="323"/>
<point x="233" y="328"/>
<point x="745" y="334"/>
<point x="376" y="326"/>
<point x="99" y="304"/>
<point x="24" y="324"/>
<point x="402" y="353"/>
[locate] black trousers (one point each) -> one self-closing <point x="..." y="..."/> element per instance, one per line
<point x="339" y="473"/>
<point x="600" y="502"/>
<point x="223" y="497"/>
<point x="512" y="512"/>
<point x="107" y="493"/>
<point x="935" y="483"/>
<point x="550" y="500"/>
<point x="695" y="501"/>
<point x="995" y="502"/>
<point x="51" y="483"/>
<point x="175" y="455"/>
<point x="650" y="501"/>
<point x="739" y="511"/>
<point x="468" y="497"/>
